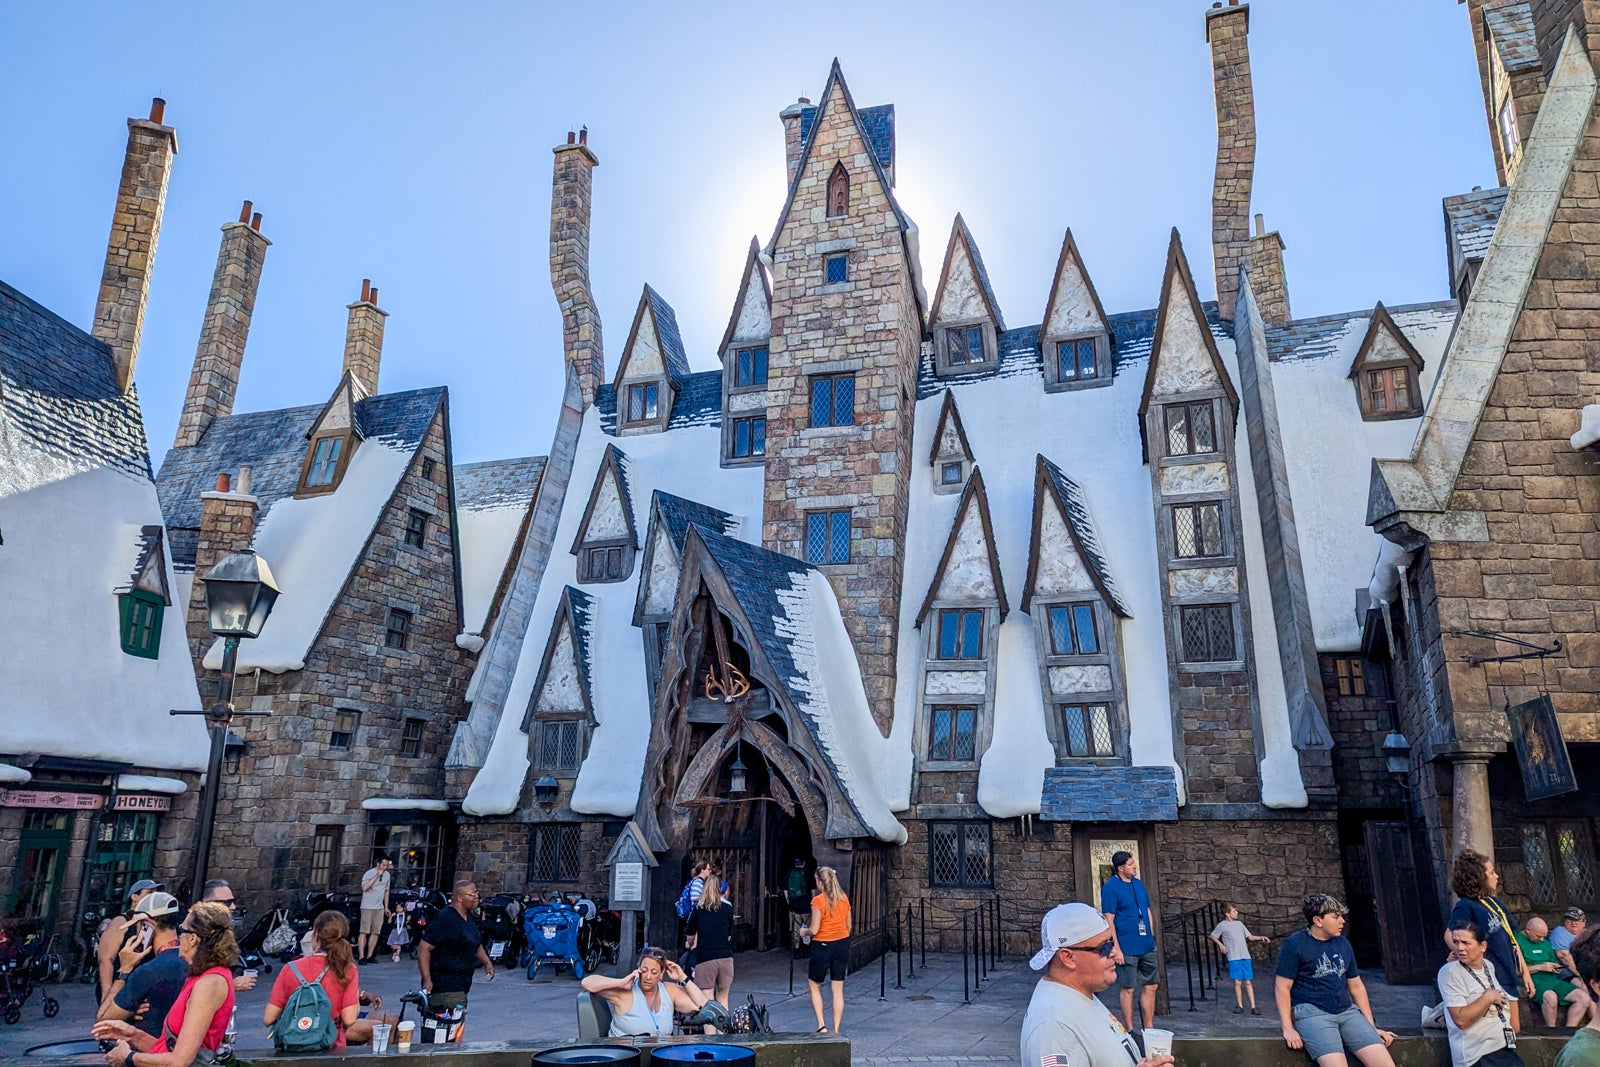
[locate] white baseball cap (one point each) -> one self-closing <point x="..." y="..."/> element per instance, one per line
<point x="1065" y="925"/>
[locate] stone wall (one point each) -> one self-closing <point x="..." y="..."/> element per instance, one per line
<point x="223" y="332"/>
<point x="1227" y="31"/>
<point x="1264" y="865"/>
<point x="571" y="195"/>
<point x="869" y="326"/>
<point x="289" y="780"/>
<point x="1359" y="722"/>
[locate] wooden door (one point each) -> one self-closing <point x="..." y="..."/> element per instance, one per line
<point x="1409" y="926"/>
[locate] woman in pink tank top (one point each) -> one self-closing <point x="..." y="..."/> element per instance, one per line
<point x="194" y="1028"/>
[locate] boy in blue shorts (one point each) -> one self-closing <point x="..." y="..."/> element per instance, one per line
<point x="1234" y="938"/>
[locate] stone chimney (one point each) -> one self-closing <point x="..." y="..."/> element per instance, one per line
<point x="571" y="195"/>
<point x="217" y="359"/>
<point x="1267" y="279"/>
<point x="790" y="116"/>
<point x="1227" y="30"/>
<point x="363" y="338"/>
<point x="227" y="524"/>
<point x="131" y="248"/>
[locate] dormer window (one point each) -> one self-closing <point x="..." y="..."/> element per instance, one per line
<point x="1510" y="139"/>
<point x="1191" y="429"/>
<point x="1389" y="390"/>
<point x="644" y="402"/>
<point x="1076" y="360"/>
<point x="141" y="623"/>
<point x="950" y="472"/>
<point x="838" y="192"/>
<point x="963" y="346"/>
<point x="606" y="540"/>
<point x="750" y="368"/>
<point x="324" y="460"/>
<point x="1385" y="371"/>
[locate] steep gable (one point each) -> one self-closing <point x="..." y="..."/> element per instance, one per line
<point x="1065" y="555"/>
<point x="1384" y="343"/>
<point x="964" y="292"/>
<point x="1183" y="355"/>
<point x="969" y="570"/>
<point x="751" y="320"/>
<point x="608" y="516"/>
<point x="1073" y="306"/>
<point x="563" y="684"/>
<point x="670" y="519"/>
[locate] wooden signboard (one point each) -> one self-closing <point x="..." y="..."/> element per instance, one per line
<point x="1541" y="750"/>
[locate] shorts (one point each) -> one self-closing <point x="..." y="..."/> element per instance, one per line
<point x="1326" y="1034"/>
<point x="371" y="921"/>
<point x="1543" y="982"/>
<point x="1241" y="970"/>
<point x="1137" y="971"/>
<point x="829" y="959"/>
<point x="708" y="974"/>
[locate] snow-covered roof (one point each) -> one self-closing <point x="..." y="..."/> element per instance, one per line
<point x="1328" y="450"/>
<point x="312" y="543"/>
<point x="77" y="512"/>
<point x="1469" y="222"/>
<point x="492" y="500"/>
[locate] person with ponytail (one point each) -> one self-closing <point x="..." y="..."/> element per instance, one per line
<point x="332" y="963"/>
<point x="711" y="937"/>
<point x="828" y="931"/>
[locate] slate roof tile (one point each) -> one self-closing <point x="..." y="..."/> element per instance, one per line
<point x="1321" y="337"/>
<point x="878" y="122"/>
<point x="1077" y="511"/>
<point x="698" y="403"/>
<point x="1511" y="27"/>
<point x="497" y="483"/>
<point x="671" y="340"/>
<point x="679" y="514"/>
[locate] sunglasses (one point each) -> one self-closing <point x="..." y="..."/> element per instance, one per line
<point x="1104" y="949"/>
<point x="228" y="902"/>
<point x="186" y="930"/>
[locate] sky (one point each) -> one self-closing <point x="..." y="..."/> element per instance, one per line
<point x="410" y="143"/>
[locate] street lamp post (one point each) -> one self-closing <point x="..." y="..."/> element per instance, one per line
<point x="240" y="593"/>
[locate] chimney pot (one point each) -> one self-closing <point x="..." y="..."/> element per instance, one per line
<point x="224" y="483"/>
<point x="244" y="212"/>
<point x="1233" y="3"/>
<point x="1261" y="224"/>
<point x="583" y="135"/>
<point x="373" y="296"/>
<point x="805" y="100"/>
<point x="255" y="222"/>
<point x="572" y="138"/>
<point x="366" y="290"/>
<point x="158" y="110"/>
<point x="244" y="480"/>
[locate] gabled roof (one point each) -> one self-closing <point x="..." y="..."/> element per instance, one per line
<point x="1469" y="222"/>
<point x="1379" y="327"/>
<point x="1510" y="26"/>
<point x="960" y="234"/>
<point x="614" y="466"/>
<point x="1329" y="336"/>
<point x="698" y="403"/>
<point x="949" y="420"/>
<point x="1185" y="301"/>
<point x="672" y="515"/>
<point x="575" y="612"/>
<point x="493" y="502"/>
<point x="1069" y="266"/>
<point x="149" y="571"/>
<point x="1051" y="484"/>
<point x="273" y="445"/>
<point x="348" y="394"/>
<point x="972" y="497"/>
<point x="752" y="270"/>
<point x="678" y="514"/>
<point x="877" y="122"/>
<point x="669" y="339"/>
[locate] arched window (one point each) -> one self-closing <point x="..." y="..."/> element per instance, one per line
<point x="838" y="192"/>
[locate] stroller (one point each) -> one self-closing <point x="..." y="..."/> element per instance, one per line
<point x="24" y="966"/>
<point x="497" y="921"/>
<point x="552" y="933"/>
<point x="440" y="1026"/>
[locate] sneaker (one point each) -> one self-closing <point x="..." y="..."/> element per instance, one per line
<point x="1255" y="1011"/>
<point x="1237" y="1010"/>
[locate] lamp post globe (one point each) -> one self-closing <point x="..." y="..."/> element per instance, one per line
<point x="240" y="593"/>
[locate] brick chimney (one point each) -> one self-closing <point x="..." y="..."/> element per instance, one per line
<point x="227" y="524"/>
<point x="1267" y="279"/>
<point x="131" y="248"/>
<point x="571" y="196"/>
<point x="1227" y="30"/>
<point x="790" y="116"/>
<point x="220" y="353"/>
<point x="363" y="338"/>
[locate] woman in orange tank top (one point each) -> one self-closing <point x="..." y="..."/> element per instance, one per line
<point x="829" y="934"/>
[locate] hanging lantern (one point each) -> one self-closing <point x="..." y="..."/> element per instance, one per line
<point x="736" y="773"/>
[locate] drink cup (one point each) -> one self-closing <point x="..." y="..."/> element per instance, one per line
<point x="1157" y="1042"/>
<point x="403" y="1036"/>
<point x="380" y="1038"/>
<point x="251" y="972"/>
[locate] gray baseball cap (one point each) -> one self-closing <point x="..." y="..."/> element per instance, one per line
<point x="143" y="885"/>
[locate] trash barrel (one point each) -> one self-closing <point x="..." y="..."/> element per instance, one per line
<point x="59" y="1050"/>
<point x="587" y="1054"/>
<point x="703" y="1054"/>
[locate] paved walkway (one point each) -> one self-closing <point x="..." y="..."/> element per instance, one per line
<point x="923" y="1021"/>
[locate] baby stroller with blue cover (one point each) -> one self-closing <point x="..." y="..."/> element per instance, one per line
<point x="552" y="939"/>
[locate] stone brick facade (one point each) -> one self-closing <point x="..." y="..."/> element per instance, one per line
<point x="363" y="339"/>
<point x="570" y="197"/>
<point x="215" y="379"/>
<point x="1227" y="31"/>
<point x="1359" y="716"/>
<point x="870" y="327"/>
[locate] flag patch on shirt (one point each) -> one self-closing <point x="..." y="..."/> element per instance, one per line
<point x="1053" y="1061"/>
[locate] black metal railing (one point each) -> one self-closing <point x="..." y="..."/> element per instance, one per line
<point x="1189" y="933"/>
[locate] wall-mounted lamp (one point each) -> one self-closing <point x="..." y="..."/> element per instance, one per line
<point x="545" y="790"/>
<point x="1397" y="754"/>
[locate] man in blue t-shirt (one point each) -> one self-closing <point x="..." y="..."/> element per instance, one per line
<point x="1126" y="905"/>
<point x="1322" y="1001"/>
<point x="153" y="975"/>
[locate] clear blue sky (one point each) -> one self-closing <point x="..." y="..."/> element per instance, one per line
<point x="410" y="143"/>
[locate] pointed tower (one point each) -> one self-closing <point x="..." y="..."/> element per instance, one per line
<point x="847" y="325"/>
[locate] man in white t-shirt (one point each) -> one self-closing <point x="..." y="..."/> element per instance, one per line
<point x="1065" y="1024"/>
<point x="374" y="905"/>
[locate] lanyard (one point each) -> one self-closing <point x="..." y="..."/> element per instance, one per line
<point x="1499" y="1009"/>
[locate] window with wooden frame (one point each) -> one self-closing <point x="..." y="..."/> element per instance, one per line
<point x="325" y="848"/>
<point x="964" y="346"/>
<point x="750" y="367"/>
<point x="560" y="746"/>
<point x="416" y="527"/>
<point x="960" y="634"/>
<point x="951" y="472"/>
<point x="1191" y="428"/>
<point x="1073" y="630"/>
<point x="142" y="612"/>
<point x="838" y="192"/>
<point x="833" y="400"/>
<point x="1206" y="634"/>
<point x="1197" y="530"/>
<point x="605" y="562"/>
<point x="323" y="467"/>
<point x="1351" y="676"/>
<point x="643" y="403"/>
<point x="345" y="723"/>
<point x="952" y="734"/>
<point x="1086" y="730"/>
<point x="828" y="537"/>
<point x="411" y="738"/>
<point x="1558" y="858"/>
<point x="749" y="437"/>
<point x="1510" y="138"/>
<point x="960" y="855"/>
<point x="1390" y="389"/>
<point x="1077" y="360"/>
<point x="554" y="852"/>
<point x="398" y="630"/>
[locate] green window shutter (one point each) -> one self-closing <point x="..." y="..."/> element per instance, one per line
<point x="141" y="623"/>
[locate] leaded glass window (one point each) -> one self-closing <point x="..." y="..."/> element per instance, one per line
<point x="1072" y="630"/>
<point x="959" y="854"/>
<point x="1207" y="633"/>
<point x="1087" y="729"/>
<point x="644" y="402"/>
<point x="1075" y="360"/>
<point x="1197" y="530"/>
<point x="1191" y="429"/>
<point x="559" y="746"/>
<point x="554" y="852"/>
<point x="833" y="400"/>
<point x="952" y="733"/>
<point x="828" y="537"/>
<point x="963" y="345"/>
